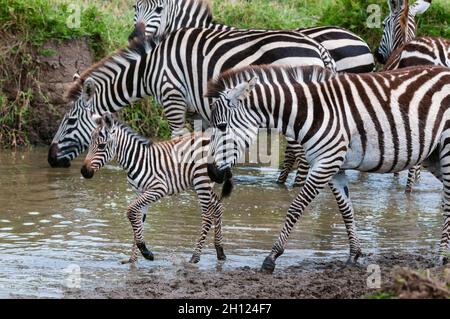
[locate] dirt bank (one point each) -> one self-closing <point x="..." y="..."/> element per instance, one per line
<point x="310" y="279"/>
<point x="33" y="80"/>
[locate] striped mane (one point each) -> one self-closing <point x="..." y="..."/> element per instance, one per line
<point x="267" y="74"/>
<point x="136" y="47"/>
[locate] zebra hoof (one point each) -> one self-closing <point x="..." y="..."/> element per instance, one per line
<point x="220" y="253"/>
<point x="280" y="182"/>
<point x="268" y="265"/>
<point x="194" y="259"/>
<point x="147" y="254"/>
<point x="127" y="261"/>
<point x="443" y="260"/>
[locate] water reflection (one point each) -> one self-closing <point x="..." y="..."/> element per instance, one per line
<point x="53" y="218"/>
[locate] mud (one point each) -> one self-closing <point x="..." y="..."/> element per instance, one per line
<point x="310" y="279"/>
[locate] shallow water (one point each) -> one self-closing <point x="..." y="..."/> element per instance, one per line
<point x="55" y="225"/>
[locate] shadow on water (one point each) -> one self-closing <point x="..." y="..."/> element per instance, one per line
<point x="52" y="221"/>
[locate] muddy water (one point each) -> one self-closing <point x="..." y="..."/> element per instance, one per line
<point x="55" y="225"/>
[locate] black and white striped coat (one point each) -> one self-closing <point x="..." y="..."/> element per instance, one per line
<point x="175" y="72"/>
<point x="377" y="122"/>
<point x="162" y="17"/>
<point x="156" y="170"/>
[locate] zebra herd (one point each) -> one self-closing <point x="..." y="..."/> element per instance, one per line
<point x="315" y="86"/>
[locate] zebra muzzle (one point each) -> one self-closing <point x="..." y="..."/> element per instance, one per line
<point x="87" y="171"/>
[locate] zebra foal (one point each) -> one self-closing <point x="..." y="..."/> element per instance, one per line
<point x="376" y="122"/>
<point x="156" y="170"/>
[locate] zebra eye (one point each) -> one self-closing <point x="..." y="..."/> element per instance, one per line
<point x="158" y="10"/>
<point x="101" y="146"/>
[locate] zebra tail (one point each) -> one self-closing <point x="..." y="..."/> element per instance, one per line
<point x="228" y="185"/>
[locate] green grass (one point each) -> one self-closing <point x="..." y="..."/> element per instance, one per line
<point x="107" y="25"/>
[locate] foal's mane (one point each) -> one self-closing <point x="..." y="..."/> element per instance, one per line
<point x="267" y="74"/>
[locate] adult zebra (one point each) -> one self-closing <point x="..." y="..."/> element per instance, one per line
<point x="176" y="72"/>
<point x="399" y="26"/>
<point x="376" y="122"/>
<point x="162" y="17"/>
<point x="156" y="170"/>
<point x="350" y="52"/>
<point x="399" y="48"/>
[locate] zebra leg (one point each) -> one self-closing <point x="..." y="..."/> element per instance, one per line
<point x="207" y="203"/>
<point x="318" y="178"/>
<point x="303" y="168"/>
<point x="218" y="238"/>
<point x="413" y="177"/>
<point x="445" y="177"/>
<point x="289" y="161"/>
<point x="135" y="216"/>
<point x="175" y="112"/>
<point x="339" y="187"/>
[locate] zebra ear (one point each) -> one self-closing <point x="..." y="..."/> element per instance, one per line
<point x="88" y="89"/>
<point x="420" y="6"/>
<point x="76" y="76"/>
<point x="242" y="90"/>
<point x="108" y="119"/>
<point x="392" y="5"/>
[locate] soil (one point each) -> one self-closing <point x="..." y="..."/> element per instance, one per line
<point x="310" y="279"/>
<point x="54" y="76"/>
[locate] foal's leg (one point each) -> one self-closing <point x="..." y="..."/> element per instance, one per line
<point x="339" y="187"/>
<point x="135" y="216"/>
<point x="218" y="238"/>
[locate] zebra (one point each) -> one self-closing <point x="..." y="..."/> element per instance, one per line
<point x="156" y="170"/>
<point x="349" y="51"/>
<point x="399" y="47"/>
<point x="399" y="26"/>
<point x="421" y="51"/>
<point x="162" y="17"/>
<point x="175" y="71"/>
<point x="376" y="122"/>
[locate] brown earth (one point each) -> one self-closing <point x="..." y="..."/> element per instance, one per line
<point x="55" y="75"/>
<point x="310" y="279"/>
<point x="47" y="71"/>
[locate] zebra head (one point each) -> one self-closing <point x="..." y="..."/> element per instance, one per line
<point x="102" y="147"/>
<point x="73" y="135"/>
<point x="234" y="128"/>
<point x="148" y="14"/>
<point x="399" y="26"/>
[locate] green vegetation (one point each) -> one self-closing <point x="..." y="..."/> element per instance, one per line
<point x="26" y="25"/>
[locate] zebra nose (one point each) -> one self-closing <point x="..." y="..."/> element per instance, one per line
<point x="222" y="126"/>
<point x="87" y="172"/>
<point x="53" y="159"/>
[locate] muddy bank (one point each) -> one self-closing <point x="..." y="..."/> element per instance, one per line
<point x="311" y="279"/>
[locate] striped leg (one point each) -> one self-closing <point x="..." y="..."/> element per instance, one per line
<point x="445" y="173"/>
<point x="135" y="216"/>
<point x="289" y="161"/>
<point x="339" y="187"/>
<point x="318" y="177"/>
<point x="209" y="205"/>
<point x="303" y="168"/>
<point x="175" y="113"/>
<point x="218" y="238"/>
<point x="413" y="177"/>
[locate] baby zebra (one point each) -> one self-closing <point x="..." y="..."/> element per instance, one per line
<point x="156" y="170"/>
<point x="376" y="122"/>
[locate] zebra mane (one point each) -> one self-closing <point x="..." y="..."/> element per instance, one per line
<point x="136" y="47"/>
<point x="132" y="134"/>
<point x="267" y="74"/>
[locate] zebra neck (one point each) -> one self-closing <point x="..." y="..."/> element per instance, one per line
<point x="129" y="147"/>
